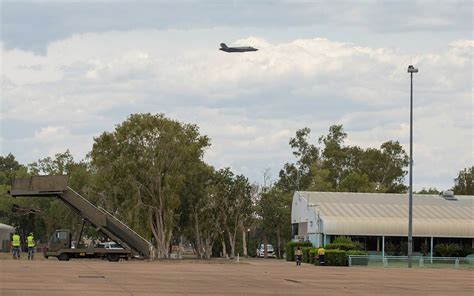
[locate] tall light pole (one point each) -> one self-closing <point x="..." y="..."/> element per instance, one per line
<point x="411" y="70"/>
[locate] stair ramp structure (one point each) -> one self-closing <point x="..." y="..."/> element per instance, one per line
<point x="103" y="221"/>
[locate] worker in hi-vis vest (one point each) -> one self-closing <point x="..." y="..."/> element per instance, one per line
<point x="321" y="255"/>
<point x="31" y="246"/>
<point x="16" y="246"/>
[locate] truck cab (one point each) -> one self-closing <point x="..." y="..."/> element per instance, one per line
<point x="61" y="239"/>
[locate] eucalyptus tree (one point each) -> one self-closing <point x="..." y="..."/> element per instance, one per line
<point x="297" y="176"/>
<point x="145" y="162"/>
<point x="233" y="194"/>
<point x="199" y="213"/>
<point x="464" y="182"/>
<point x="334" y="166"/>
<point x="274" y="210"/>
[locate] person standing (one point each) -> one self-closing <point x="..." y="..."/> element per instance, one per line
<point x="31" y="246"/>
<point x="299" y="256"/>
<point x="321" y="256"/>
<point x="16" y="246"/>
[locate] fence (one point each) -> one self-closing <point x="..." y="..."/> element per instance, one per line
<point x="417" y="261"/>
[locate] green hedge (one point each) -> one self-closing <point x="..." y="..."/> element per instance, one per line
<point x="313" y="253"/>
<point x="336" y="258"/>
<point x="341" y="246"/>
<point x="291" y="247"/>
<point x="447" y="250"/>
<point x="309" y="253"/>
<point x="343" y="240"/>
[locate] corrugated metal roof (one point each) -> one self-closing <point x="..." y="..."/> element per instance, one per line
<point x="387" y="214"/>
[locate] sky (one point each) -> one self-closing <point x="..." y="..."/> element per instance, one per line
<point x="72" y="70"/>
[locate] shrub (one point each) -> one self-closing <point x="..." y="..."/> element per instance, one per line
<point x="466" y="251"/>
<point x="306" y="255"/>
<point x="403" y="249"/>
<point x="447" y="250"/>
<point x="291" y="247"/>
<point x="342" y="240"/>
<point x="341" y="246"/>
<point x="391" y="249"/>
<point x="359" y="246"/>
<point x="313" y="253"/>
<point x="336" y="258"/>
<point x="425" y="249"/>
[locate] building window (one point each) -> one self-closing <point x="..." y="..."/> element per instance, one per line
<point x="294" y="229"/>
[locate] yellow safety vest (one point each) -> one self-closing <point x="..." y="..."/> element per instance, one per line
<point x="31" y="241"/>
<point x="320" y="251"/>
<point x="16" y="240"/>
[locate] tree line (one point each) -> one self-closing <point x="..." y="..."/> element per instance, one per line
<point x="150" y="173"/>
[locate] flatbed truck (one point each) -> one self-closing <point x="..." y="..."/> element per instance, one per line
<point x="60" y="244"/>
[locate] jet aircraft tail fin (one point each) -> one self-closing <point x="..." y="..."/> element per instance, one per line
<point x="224" y="46"/>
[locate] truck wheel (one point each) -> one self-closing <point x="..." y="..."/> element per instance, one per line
<point x="113" y="257"/>
<point x="63" y="257"/>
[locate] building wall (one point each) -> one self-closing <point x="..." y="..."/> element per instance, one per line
<point x="5" y="237"/>
<point x="305" y="215"/>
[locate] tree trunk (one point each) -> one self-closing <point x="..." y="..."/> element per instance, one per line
<point x="180" y="248"/>
<point x="232" y="244"/>
<point x="162" y="237"/>
<point x="197" y="236"/>
<point x="208" y="248"/>
<point x="279" y="242"/>
<point x="232" y="237"/>
<point x="244" y="242"/>
<point x="265" y="251"/>
<point x="224" y="251"/>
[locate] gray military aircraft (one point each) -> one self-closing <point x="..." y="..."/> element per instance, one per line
<point x="236" y="49"/>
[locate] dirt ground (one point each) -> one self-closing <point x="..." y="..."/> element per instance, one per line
<point x="222" y="277"/>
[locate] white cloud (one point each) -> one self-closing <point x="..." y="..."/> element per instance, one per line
<point x="249" y="104"/>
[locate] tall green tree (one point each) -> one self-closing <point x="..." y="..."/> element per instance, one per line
<point x="334" y="154"/>
<point x="464" y="182"/>
<point x="233" y="194"/>
<point x="340" y="167"/>
<point x="9" y="206"/>
<point x="200" y="210"/>
<point x="145" y="161"/>
<point x="9" y="168"/>
<point x="297" y="176"/>
<point x="274" y="210"/>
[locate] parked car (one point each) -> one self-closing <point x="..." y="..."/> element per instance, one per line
<point x="110" y="246"/>
<point x="261" y="251"/>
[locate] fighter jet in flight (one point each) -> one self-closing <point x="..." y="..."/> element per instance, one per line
<point x="236" y="49"/>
